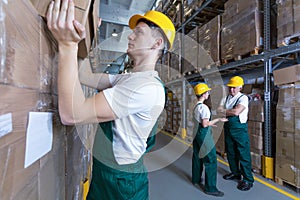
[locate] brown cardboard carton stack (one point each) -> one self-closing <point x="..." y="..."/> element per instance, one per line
<point x="82" y="14"/>
<point x="209" y="39"/>
<point x="191" y="51"/>
<point x="242" y="31"/>
<point x="287" y="165"/>
<point x="255" y="123"/>
<point x="288" y="21"/>
<point x="29" y="85"/>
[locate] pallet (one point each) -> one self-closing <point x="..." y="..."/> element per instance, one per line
<point x="233" y="58"/>
<point x="287" y="184"/>
<point x="289" y="40"/>
<point x="256" y="170"/>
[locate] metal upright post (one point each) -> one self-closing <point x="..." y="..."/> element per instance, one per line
<point x="183" y="110"/>
<point x="267" y="161"/>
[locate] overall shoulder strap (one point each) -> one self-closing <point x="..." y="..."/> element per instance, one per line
<point x="166" y="94"/>
<point x="238" y="100"/>
<point x="151" y="139"/>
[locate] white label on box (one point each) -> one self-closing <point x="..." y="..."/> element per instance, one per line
<point x="39" y="136"/>
<point x="5" y="124"/>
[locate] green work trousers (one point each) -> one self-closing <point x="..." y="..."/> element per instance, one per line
<point x="204" y="154"/>
<point x="237" y="147"/>
<point x="111" y="181"/>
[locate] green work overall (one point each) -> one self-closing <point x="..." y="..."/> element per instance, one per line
<point x="237" y="147"/>
<point x="111" y="181"/>
<point x="204" y="144"/>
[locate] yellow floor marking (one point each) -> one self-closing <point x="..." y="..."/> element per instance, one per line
<point x="225" y="163"/>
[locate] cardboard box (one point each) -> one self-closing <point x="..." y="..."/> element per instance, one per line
<point x="297" y="121"/>
<point x="16" y="177"/>
<point x="284" y="168"/>
<point x="256" y="111"/>
<point x="286" y="95"/>
<point x="42" y="6"/>
<point x="10" y="103"/>
<point x="82" y="14"/>
<point x="285" y="118"/>
<point x="297" y="94"/>
<point x="287" y="75"/>
<point x="285" y="144"/>
<point x="256" y="143"/>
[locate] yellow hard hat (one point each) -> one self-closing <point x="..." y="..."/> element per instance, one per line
<point x="159" y="19"/>
<point x="201" y="88"/>
<point x="235" y="81"/>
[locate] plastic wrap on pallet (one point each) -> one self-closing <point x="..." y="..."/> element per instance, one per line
<point x="209" y="38"/>
<point x="288" y="22"/>
<point x="242" y="31"/>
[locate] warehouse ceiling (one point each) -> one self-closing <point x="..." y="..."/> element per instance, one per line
<point x="115" y="15"/>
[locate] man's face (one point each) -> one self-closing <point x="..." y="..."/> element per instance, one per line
<point x="234" y="90"/>
<point x="140" y="40"/>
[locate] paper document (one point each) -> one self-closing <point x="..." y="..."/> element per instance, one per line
<point x="39" y="136"/>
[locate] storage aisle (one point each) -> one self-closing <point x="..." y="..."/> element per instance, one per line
<point x="174" y="181"/>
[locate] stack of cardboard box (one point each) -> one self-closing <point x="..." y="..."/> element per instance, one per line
<point x="288" y="21"/>
<point x="28" y="85"/>
<point x="209" y="39"/>
<point x="287" y="167"/>
<point x="242" y="31"/>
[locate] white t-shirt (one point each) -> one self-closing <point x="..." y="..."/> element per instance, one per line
<point x="231" y="100"/>
<point x="137" y="99"/>
<point x="201" y="112"/>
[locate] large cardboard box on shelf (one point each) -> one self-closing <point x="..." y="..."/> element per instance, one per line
<point x="286" y="75"/>
<point x="255" y="128"/>
<point x="285" y="118"/>
<point x="256" y="111"/>
<point x="288" y="21"/>
<point x="287" y="157"/>
<point x="242" y="30"/>
<point x="209" y="37"/>
<point x="82" y="14"/>
<point x="285" y="169"/>
<point x="191" y="48"/>
<point x="286" y="95"/>
<point x="220" y="143"/>
<point x="42" y="7"/>
<point x="256" y="143"/>
<point x="256" y="162"/>
<point x="285" y="144"/>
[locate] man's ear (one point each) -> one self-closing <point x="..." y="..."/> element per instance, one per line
<point x="158" y="44"/>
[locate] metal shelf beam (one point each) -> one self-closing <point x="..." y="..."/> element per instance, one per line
<point x="204" y="5"/>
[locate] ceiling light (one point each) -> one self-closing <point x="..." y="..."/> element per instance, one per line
<point x="114" y="34"/>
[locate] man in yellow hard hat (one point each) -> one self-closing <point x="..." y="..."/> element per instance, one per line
<point x="237" y="144"/>
<point x="127" y="106"/>
<point x="204" y="150"/>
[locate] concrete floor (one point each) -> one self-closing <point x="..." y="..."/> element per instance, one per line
<point x="170" y="164"/>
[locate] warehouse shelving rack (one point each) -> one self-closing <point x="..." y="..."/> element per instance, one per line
<point x="265" y="57"/>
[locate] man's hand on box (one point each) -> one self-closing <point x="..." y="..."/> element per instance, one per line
<point x="61" y="22"/>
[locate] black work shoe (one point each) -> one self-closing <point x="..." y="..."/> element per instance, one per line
<point x="244" y="186"/>
<point x="216" y="193"/>
<point x="232" y="176"/>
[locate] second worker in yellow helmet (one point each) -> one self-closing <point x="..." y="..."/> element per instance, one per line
<point x="237" y="144"/>
<point x="204" y="151"/>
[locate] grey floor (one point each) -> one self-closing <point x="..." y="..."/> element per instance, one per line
<point x="170" y="177"/>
